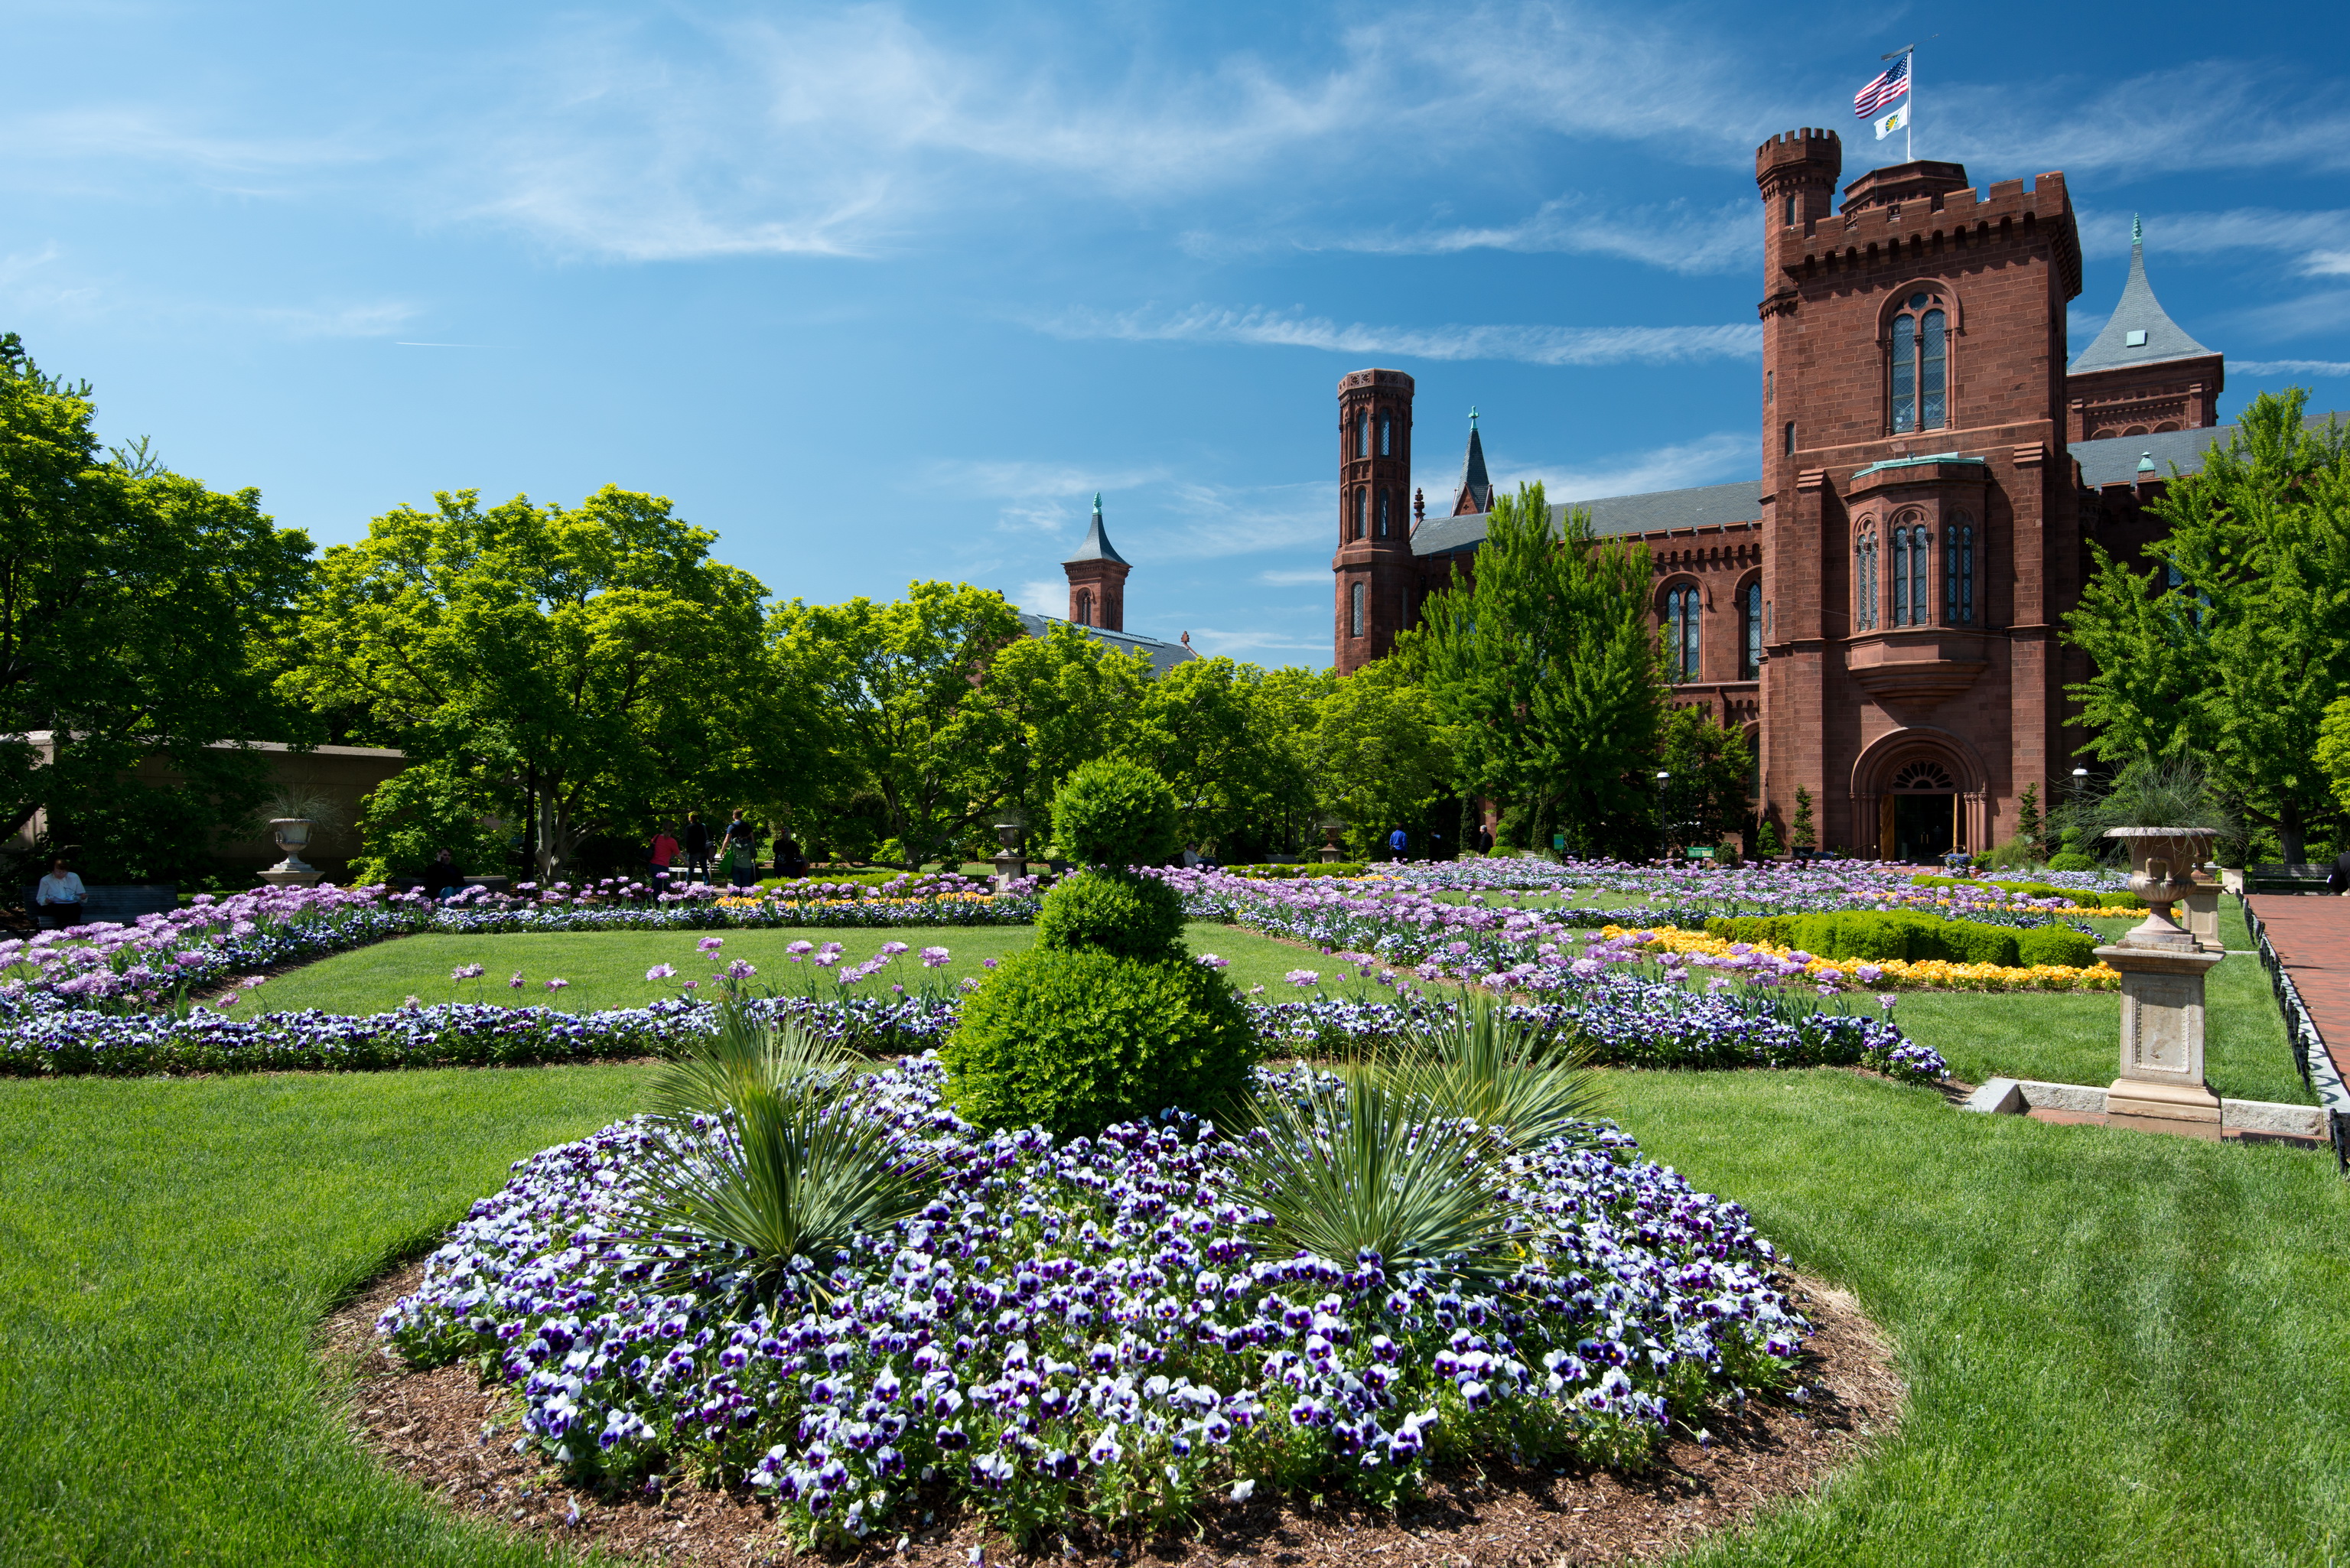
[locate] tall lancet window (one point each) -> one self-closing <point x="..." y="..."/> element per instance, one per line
<point x="1363" y="435"/>
<point x="1920" y="392"/>
<point x="1959" y="571"/>
<point x="1386" y="435"/>
<point x="1383" y="513"/>
<point x="1356" y="605"/>
<point x="1682" y="629"/>
<point x="1749" y="628"/>
<point x="1084" y="608"/>
<point x="1362" y="512"/>
<point x="1864" y="581"/>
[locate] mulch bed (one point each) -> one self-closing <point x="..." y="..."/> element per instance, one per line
<point x="454" y="1437"/>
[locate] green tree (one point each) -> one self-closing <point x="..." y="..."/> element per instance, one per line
<point x="1807" y="835"/>
<point x="1223" y="736"/>
<point x="1709" y="765"/>
<point x="1061" y="700"/>
<point x="1379" y="753"/>
<point x="2231" y="646"/>
<point x="575" y="663"/>
<point x="1546" y="666"/>
<point x="899" y="697"/>
<point x="138" y="615"/>
<point x="2029" y="830"/>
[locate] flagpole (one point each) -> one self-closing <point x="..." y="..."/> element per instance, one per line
<point x="1910" y="120"/>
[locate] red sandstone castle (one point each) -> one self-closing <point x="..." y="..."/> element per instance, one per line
<point x="1880" y="612"/>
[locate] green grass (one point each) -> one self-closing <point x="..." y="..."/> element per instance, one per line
<point x="2076" y="1038"/>
<point x="607" y="969"/>
<point x="2122" y="1348"/>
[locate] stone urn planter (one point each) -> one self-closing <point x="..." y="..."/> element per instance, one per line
<point x="2162" y="872"/>
<point x="1330" y="852"/>
<point x="293" y="836"/>
<point x="1009" y="864"/>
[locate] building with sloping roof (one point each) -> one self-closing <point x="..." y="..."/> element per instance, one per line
<point x="1098" y="575"/>
<point x="1880" y="610"/>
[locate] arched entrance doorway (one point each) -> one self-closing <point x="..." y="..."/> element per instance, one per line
<point x="1918" y="817"/>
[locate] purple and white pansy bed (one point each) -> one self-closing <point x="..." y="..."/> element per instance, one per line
<point x="1102" y="1327"/>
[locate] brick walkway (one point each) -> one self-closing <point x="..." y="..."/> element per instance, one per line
<point x="2311" y="937"/>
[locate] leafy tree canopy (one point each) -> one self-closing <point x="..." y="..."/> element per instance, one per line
<point x="2235" y="661"/>
<point x="575" y="661"/>
<point x="137" y="609"/>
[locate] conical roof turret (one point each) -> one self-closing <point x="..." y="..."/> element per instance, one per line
<point x="1475" y="491"/>
<point x="2139" y="331"/>
<point x="1096" y="546"/>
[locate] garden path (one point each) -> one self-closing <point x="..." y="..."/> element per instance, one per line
<point x="2311" y="937"/>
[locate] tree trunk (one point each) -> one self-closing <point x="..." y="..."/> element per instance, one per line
<point x="2293" y="838"/>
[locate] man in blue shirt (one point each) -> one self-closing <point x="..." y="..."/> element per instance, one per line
<point x="1394" y="845"/>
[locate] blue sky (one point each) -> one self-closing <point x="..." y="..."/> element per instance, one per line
<point x="880" y="292"/>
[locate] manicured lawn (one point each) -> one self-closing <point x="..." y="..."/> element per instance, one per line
<point x="2121" y="1348"/>
<point x="607" y="969"/>
<point x="2076" y="1038"/>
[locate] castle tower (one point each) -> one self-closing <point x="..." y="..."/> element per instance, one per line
<point x="1921" y="537"/>
<point x="1097" y="575"/>
<point x="2143" y="374"/>
<point x="1373" y="563"/>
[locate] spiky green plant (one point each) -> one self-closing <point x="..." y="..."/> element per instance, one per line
<point x="764" y="1154"/>
<point x="1368" y="1169"/>
<point x="1531" y="1083"/>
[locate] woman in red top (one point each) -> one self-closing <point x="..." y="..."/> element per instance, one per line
<point x="663" y="851"/>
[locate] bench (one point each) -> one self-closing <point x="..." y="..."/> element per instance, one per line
<point x="2300" y="878"/>
<point x="122" y="903"/>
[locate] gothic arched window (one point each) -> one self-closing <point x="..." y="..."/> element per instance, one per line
<point x="1681" y="627"/>
<point x="1900" y="576"/>
<point x="1084" y="608"/>
<point x="1864" y="581"/>
<point x="1383" y="513"/>
<point x="1386" y="435"/>
<point x="1356" y="596"/>
<point x="1363" y="435"/>
<point x="1959" y="571"/>
<point x="1750" y="631"/>
<point x="1921" y="365"/>
<point x="1362" y="511"/>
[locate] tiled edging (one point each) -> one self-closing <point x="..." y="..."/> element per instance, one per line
<point x="2310" y="1055"/>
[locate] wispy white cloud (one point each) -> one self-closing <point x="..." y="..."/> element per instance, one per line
<point x="1258" y="640"/>
<point x="377" y="320"/>
<point x="2318" y="240"/>
<point x="1527" y="344"/>
<point x="2293" y="320"/>
<point x="1036" y="496"/>
<point x="1211" y="521"/>
<point x="2200" y="114"/>
<point x="1676" y="236"/>
<point x="1043" y="597"/>
<point x="2290" y="367"/>
<point x="1715" y="458"/>
<point x="1300" y="578"/>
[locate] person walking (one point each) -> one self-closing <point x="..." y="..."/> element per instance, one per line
<point x="697" y="846"/>
<point x="58" y="900"/>
<point x="660" y="854"/>
<point x="742" y="852"/>
<point x="1396" y="842"/>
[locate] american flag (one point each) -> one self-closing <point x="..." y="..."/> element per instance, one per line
<point x="1890" y="83"/>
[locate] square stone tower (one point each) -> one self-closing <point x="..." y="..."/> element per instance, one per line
<point x="1918" y="512"/>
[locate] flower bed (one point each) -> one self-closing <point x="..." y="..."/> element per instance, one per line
<point x="1095" y="1328"/>
<point x="1709" y="951"/>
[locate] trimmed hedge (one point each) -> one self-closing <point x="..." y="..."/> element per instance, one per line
<point x="2086" y="898"/>
<point x="1135" y="917"/>
<point x="1072" y="1040"/>
<point x="1874" y="936"/>
<point x="1276" y="872"/>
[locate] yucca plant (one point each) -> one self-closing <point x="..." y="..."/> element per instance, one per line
<point x="1531" y="1083"/>
<point x="765" y="1154"/>
<point x="1368" y="1169"/>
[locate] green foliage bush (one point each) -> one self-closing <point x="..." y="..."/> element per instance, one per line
<point x="1877" y="936"/>
<point x="1072" y="1039"/>
<point x="1136" y="917"/>
<point x="2069" y="861"/>
<point x="1110" y="812"/>
<point x="2057" y="945"/>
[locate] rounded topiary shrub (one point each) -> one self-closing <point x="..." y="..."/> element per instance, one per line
<point x="1135" y="917"/>
<point x="2068" y="861"/>
<point x="1114" y="814"/>
<point x="1072" y="1039"/>
<point x="2057" y="945"/>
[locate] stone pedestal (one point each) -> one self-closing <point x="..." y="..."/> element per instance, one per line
<point x="1010" y="866"/>
<point x="1330" y="853"/>
<point x="278" y="875"/>
<point x="2202" y="906"/>
<point x="2161" y="1087"/>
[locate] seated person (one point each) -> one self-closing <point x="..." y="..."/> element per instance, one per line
<point x="2338" y="879"/>
<point x="59" y="900"/>
<point x="443" y="880"/>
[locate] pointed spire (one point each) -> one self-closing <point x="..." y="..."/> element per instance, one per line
<point x="1096" y="546"/>
<point x="2139" y="331"/>
<point x="1475" y="491"/>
